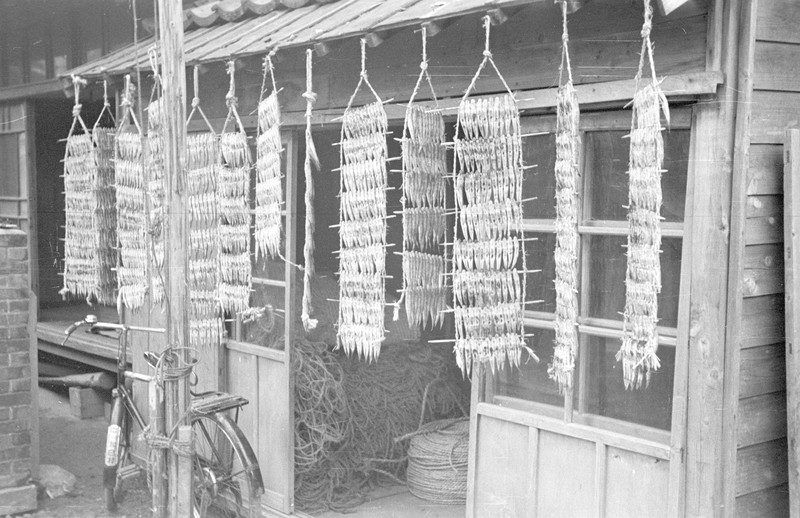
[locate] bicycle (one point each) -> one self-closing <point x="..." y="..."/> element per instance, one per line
<point x="226" y="475"/>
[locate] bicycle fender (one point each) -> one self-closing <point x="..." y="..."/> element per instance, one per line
<point x="113" y="437"/>
<point x="246" y="452"/>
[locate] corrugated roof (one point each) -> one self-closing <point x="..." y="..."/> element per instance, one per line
<point x="263" y="25"/>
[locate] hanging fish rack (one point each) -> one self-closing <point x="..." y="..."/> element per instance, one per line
<point x="89" y="241"/>
<point x="562" y="367"/>
<point x="202" y="167"/>
<point x="362" y="230"/>
<point x="424" y="213"/>
<point x="488" y="278"/>
<point x="234" y="208"/>
<point x="154" y="169"/>
<point x="269" y="191"/>
<point x="129" y="161"/>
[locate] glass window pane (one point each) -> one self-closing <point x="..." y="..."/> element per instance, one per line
<point x="9" y="164"/>
<point x="606" y="394"/>
<point x="539" y="285"/>
<point x="607" y="278"/>
<point x="607" y="163"/>
<point x="530" y="381"/>
<point x="539" y="181"/>
<point x="266" y="330"/>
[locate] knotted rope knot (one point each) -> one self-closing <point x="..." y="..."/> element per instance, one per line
<point x="231" y="100"/>
<point x="126" y="102"/>
<point x="364" y="74"/>
<point x="310" y="96"/>
<point x="646" y="28"/>
<point x="487" y="53"/>
<point x="423" y="65"/>
<point x="195" y="102"/>
<point x="565" y="38"/>
<point x="76" y="110"/>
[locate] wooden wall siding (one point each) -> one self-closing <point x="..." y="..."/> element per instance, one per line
<point x="769" y="502"/>
<point x="604" y="42"/>
<point x="262" y="381"/>
<point x="761" y="466"/>
<point x="761" y="458"/>
<point x="762" y="370"/>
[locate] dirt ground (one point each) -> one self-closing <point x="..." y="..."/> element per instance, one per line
<point x="78" y="446"/>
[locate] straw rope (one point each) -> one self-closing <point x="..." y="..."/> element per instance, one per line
<point x="311" y="162"/>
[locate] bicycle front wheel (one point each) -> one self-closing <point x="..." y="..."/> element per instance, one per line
<point x="227" y="478"/>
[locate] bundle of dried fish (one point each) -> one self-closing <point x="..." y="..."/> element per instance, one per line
<point x="643" y="276"/>
<point x="362" y="230"/>
<point x="202" y="168"/>
<point x="89" y="202"/>
<point x="132" y="272"/>
<point x="488" y="253"/>
<point x="105" y="215"/>
<point x="233" y="191"/>
<point x="566" y="252"/>
<point x="269" y="192"/>
<point x="154" y="161"/>
<point x="424" y="217"/>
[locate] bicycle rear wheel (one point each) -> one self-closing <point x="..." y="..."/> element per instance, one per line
<point x="227" y="478"/>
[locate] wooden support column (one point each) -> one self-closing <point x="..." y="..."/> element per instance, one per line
<point x="710" y="185"/>
<point x="791" y="190"/>
<point x="173" y="74"/>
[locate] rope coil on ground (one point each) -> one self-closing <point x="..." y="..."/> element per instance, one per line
<point x="437" y="461"/>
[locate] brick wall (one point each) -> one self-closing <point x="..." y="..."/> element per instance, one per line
<point x="15" y="360"/>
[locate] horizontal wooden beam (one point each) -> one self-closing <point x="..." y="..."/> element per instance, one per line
<point x="595" y="95"/>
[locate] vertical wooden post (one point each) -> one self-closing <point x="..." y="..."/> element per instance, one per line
<point x="184" y="493"/>
<point x="173" y="73"/>
<point x="158" y="456"/>
<point x="791" y="230"/>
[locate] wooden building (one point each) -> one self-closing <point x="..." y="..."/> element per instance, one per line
<point x="708" y="436"/>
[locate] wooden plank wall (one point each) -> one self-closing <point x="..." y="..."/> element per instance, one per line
<point x="761" y="464"/>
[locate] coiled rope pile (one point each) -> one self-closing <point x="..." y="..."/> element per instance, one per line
<point x="437" y="461"/>
<point x="348" y="413"/>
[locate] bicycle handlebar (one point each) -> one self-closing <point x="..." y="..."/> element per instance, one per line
<point x="93" y="323"/>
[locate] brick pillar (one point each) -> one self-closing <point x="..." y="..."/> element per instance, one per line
<point x="16" y="492"/>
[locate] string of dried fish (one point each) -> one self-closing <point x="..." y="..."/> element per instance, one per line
<point x="202" y="168"/>
<point x="233" y="191"/>
<point x="89" y="238"/>
<point x="424" y="218"/>
<point x="154" y="161"/>
<point x="566" y="253"/>
<point x="488" y="259"/>
<point x="643" y="275"/>
<point x="132" y="270"/>
<point x="362" y="230"/>
<point x="269" y="191"/>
